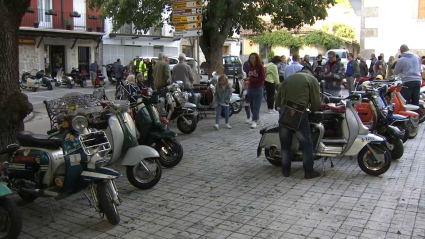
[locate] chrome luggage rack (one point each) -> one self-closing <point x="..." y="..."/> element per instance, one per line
<point x="94" y="142"/>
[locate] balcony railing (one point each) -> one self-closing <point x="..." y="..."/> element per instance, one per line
<point x="62" y="20"/>
<point x="128" y="29"/>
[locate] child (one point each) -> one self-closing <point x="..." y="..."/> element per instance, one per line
<point x="222" y="95"/>
<point x="245" y="101"/>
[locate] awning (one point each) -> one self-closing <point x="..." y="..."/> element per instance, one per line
<point x="357" y="6"/>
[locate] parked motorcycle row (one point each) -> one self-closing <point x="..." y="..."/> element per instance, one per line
<point x="372" y="124"/>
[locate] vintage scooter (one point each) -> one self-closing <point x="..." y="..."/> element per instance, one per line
<point x="373" y="156"/>
<point x="64" y="164"/>
<point x="10" y="216"/>
<point x="64" y="80"/>
<point x="79" y="78"/>
<point x="45" y="80"/>
<point x="29" y="81"/>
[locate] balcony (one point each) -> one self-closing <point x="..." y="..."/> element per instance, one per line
<point x="128" y="29"/>
<point x="44" y="19"/>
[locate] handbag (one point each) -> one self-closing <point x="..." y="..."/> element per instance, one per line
<point x="291" y="114"/>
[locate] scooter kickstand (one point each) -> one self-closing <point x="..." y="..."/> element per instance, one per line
<point x="323" y="164"/>
<point x="332" y="163"/>
<point x="88" y="199"/>
<point x="51" y="212"/>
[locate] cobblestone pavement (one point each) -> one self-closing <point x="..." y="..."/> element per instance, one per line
<point x="221" y="190"/>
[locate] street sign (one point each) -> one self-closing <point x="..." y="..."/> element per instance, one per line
<point x="179" y="5"/>
<point x="184" y="19"/>
<point x="188" y="26"/>
<point x="191" y="33"/>
<point x="186" y="12"/>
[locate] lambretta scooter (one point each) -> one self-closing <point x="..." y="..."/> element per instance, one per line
<point x="64" y="80"/>
<point x="372" y="155"/>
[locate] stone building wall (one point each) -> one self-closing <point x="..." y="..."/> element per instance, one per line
<point x="28" y="58"/>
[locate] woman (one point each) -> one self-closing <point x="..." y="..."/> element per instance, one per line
<point x="390" y="70"/>
<point x="140" y="83"/>
<point x="256" y="76"/>
<point x="149" y="66"/>
<point x="364" y="70"/>
<point x="132" y="90"/>
<point x="271" y="82"/>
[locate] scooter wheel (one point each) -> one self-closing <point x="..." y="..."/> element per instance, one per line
<point x="369" y="164"/>
<point x="34" y="89"/>
<point x="231" y="111"/>
<point x="403" y="128"/>
<point x="107" y="206"/>
<point x="237" y="107"/>
<point x="172" y="153"/>
<point x="142" y="179"/>
<point x="398" y="149"/>
<point x="12" y="218"/>
<point x="272" y="158"/>
<point x="187" y="128"/>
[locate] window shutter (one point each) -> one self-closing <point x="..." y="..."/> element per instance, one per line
<point x="421" y="9"/>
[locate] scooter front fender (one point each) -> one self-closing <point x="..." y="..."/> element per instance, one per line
<point x="189" y="105"/>
<point x="4" y="190"/>
<point x="394" y="132"/>
<point x="101" y="174"/>
<point x="363" y="140"/>
<point x="135" y="154"/>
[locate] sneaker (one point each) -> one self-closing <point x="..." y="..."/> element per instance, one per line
<point x="248" y="121"/>
<point x="275" y="111"/>
<point x="216" y="126"/>
<point x="228" y="126"/>
<point x="271" y="111"/>
<point x="312" y="175"/>
<point x="253" y="125"/>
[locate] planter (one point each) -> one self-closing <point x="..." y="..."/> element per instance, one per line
<point x="30" y="10"/>
<point x="93" y="17"/>
<point x="51" y="13"/>
<point x="68" y="27"/>
<point x="98" y="29"/>
<point x="74" y="15"/>
<point x="90" y="29"/>
<point x="36" y="24"/>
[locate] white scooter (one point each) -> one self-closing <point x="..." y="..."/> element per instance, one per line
<point x="372" y="155"/>
<point x="64" y="80"/>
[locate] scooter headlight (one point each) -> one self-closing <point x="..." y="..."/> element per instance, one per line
<point x="80" y="124"/>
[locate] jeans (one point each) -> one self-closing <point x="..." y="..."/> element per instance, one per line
<point x="350" y="84"/>
<point x="306" y="144"/>
<point x="119" y="82"/>
<point x="255" y="96"/>
<point x="411" y="92"/>
<point x="218" y="113"/>
<point x="248" y="112"/>
<point x="191" y="98"/>
<point x="281" y="79"/>
<point x="270" y="90"/>
<point x="93" y="76"/>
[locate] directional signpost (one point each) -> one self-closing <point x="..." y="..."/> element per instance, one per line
<point x="187" y="17"/>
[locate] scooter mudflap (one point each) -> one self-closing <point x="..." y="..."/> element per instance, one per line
<point x="259" y="150"/>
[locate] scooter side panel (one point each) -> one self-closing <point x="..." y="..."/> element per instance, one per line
<point x="31" y="164"/>
<point x="135" y="154"/>
<point x="361" y="141"/>
<point x="4" y="190"/>
<point x="116" y="137"/>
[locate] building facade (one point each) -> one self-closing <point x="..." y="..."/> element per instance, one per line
<point x="387" y="24"/>
<point x="59" y="34"/>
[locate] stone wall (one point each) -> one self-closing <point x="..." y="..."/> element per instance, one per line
<point x="28" y="58"/>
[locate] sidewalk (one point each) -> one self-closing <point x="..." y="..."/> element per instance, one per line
<point x="221" y="190"/>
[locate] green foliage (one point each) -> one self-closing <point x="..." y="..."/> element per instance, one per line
<point x="325" y="27"/>
<point x="277" y="38"/>
<point x="270" y="56"/>
<point x="344" y="3"/>
<point x="322" y="38"/>
<point x="342" y="30"/>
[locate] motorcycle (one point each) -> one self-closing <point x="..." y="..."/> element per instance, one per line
<point x="64" y="80"/>
<point x="100" y="79"/>
<point x="29" y="81"/>
<point x="65" y="163"/>
<point x="110" y="73"/>
<point x="372" y="155"/>
<point x="173" y="105"/>
<point x="10" y="216"/>
<point x="79" y="78"/>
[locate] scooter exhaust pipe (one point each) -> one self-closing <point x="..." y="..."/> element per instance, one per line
<point x="40" y="193"/>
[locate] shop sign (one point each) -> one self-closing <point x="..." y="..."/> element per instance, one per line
<point x="27" y="40"/>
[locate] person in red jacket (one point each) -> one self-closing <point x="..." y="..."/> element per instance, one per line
<point x="256" y="76"/>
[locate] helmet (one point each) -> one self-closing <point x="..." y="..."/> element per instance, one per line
<point x="379" y="77"/>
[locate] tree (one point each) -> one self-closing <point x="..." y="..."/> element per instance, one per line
<point x="342" y="30"/>
<point x="277" y="38"/>
<point x="221" y="18"/>
<point x="14" y="105"/>
<point x="322" y="38"/>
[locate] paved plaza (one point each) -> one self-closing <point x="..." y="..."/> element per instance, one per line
<point x="221" y="190"/>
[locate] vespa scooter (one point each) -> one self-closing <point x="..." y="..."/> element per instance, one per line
<point x="64" y="80"/>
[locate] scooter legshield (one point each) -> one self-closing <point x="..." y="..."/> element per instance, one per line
<point x="135" y="154"/>
<point x="4" y="190"/>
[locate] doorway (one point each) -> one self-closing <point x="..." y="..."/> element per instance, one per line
<point x="57" y="59"/>
<point x="83" y="58"/>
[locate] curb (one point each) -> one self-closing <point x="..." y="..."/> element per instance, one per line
<point x="29" y="117"/>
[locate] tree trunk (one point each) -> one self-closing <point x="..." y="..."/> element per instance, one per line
<point x="14" y="105"/>
<point x="211" y="47"/>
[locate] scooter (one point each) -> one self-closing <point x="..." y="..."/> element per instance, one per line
<point x="45" y="80"/>
<point x="10" y="216"/>
<point x="79" y="78"/>
<point x="173" y="105"/>
<point x="100" y="79"/>
<point x="64" y="80"/>
<point x="110" y="73"/>
<point x="65" y="163"/>
<point x="372" y="155"/>
<point x="29" y="81"/>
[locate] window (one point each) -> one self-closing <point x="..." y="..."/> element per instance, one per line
<point x="264" y="51"/>
<point x="421" y="9"/>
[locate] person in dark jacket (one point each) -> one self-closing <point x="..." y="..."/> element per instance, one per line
<point x="373" y="60"/>
<point x="245" y="67"/>
<point x="333" y="73"/>
<point x="119" y="72"/>
<point x="352" y="73"/>
<point x="363" y="68"/>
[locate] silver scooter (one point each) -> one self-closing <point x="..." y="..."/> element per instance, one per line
<point x="372" y="155"/>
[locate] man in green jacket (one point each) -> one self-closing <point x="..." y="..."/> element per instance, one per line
<point x="161" y="72"/>
<point x="301" y="88"/>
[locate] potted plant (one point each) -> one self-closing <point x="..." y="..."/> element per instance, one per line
<point x="30" y="10"/>
<point x="36" y="23"/>
<point x="51" y="12"/>
<point x="75" y="14"/>
<point x="90" y="28"/>
<point x="98" y="29"/>
<point x="93" y="17"/>
<point x="68" y="24"/>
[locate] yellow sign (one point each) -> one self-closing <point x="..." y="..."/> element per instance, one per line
<point x="184" y="19"/>
<point x="188" y="26"/>
<point x="178" y="5"/>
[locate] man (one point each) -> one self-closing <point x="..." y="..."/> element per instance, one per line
<point x="333" y="73"/>
<point x="384" y="63"/>
<point x="294" y="67"/>
<point x="379" y="67"/>
<point x="317" y="66"/>
<point x="353" y="72"/>
<point x="301" y="88"/>
<point x="409" y="69"/>
<point x="140" y="67"/>
<point x="94" y="67"/>
<point x="306" y="61"/>
<point x="183" y="72"/>
<point x="359" y="57"/>
<point x="245" y="68"/>
<point x="119" y="72"/>
<point x="161" y="72"/>
<point x="281" y="68"/>
<point x="372" y="64"/>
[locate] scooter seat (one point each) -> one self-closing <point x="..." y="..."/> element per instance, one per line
<point x="337" y="108"/>
<point x="323" y="107"/>
<point x="30" y="139"/>
<point x="411" y="107"/>
<point x="334" y="99"/>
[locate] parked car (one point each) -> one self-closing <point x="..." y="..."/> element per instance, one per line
<point x="231" y="64"/>
<point x="173" y="60"/>
<point x="313" y="59"/>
